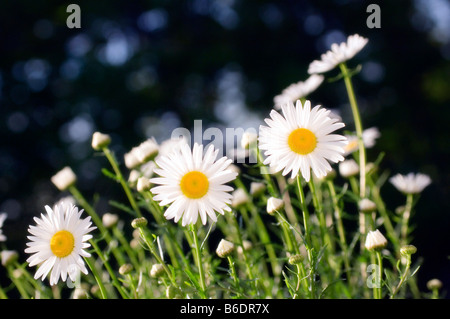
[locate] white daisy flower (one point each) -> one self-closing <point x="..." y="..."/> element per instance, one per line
<point x="193" y="183"/>
<point x="2" y="219"/>
<point x="298" y="90"/>
<point x="338" y="54"/>
<point x="58" y="243"/>
<point x="300" y="140"/>
<point x="411" y="183"/>
<point x="368" y="135"/>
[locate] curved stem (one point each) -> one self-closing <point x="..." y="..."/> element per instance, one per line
<point x="122" y="181"/>
<point x="198" y="256"/>
<point x="358" y="127"/>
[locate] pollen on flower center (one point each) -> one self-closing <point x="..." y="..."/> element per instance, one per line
<point x="62" y="243"/>
<point x="302" y="141"/>
<point x="194" y="184"/>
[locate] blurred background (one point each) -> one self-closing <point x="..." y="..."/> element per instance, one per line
<point x="140" y="69"/>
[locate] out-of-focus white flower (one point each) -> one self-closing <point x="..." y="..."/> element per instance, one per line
<point x="8" y="257"/>
<point x="366" y="206"/>
<point x="257" y="188"/>
<point x="411" y="183"/>
<point x="64" y="178"/>
<point x="273" y="205"/>
<point x="369" y="137"/>
<point x="3" y="217"/>
<point x="300" y="140"/>
<point x="240" y="197"/>
<point x="298" y="90"/>
<point x="109" y="220"/>
<point x="339" y="53"/>
<point x="348" y="168"/>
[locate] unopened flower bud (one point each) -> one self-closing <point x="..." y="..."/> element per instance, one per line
<point x="225" y="248"/>
<point x="434" y="284"/>
<point x="367" y="206"/>
<point x="257" y="189"/>
<point x="109" y="220"/>
<point x="146" y="151"/>
<point x="240" y="197"/>
<point x="131" y="160"/>
<point x="143" y="184"/>
<point x="8" y="257"/>
<point x="64" y="178"/>
<point x="100" y="141"/>
<point x="348" y="168"/>
<point x="295" y="259"/>
<point x="157" y="270"/>
<point x="375" y="240"/>
<point x="133" y="178"/>
<point x="408" y="250"/>
<point x="274" y="204"/>
<point x="139" y="222"/>
<point x="125" y="269"/>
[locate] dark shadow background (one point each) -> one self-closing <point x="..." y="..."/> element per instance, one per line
<point x="138" y="69"/>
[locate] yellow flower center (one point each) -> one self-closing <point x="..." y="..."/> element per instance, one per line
<point x="194" y="184"/>
<point x="62" y="243"/>
<point x="302" y="141"/>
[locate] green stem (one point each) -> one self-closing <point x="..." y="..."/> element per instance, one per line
<point x="308" y="243"/>
<point x="380" y="275"/>
<point x="97" y="221"/>
<point x="102" y="288"/>
<point x="358" y="126"/>
<point x="405" y="218"/>
<point x="265" y="173"/>
<point x="18" y="283"/>
<point x="111" y="273"/>
<point x="234" y="275"/>
<point x="155" y="254"/>
<point x="198" y="256"/>
<point x="122" y="181"/>
<point x="403" y="277"/>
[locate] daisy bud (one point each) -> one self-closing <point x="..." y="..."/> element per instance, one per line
<point x="134" y="176"/>
<point x="295" y="259"/>
<point x="109" y="220"/>
<point x="375" y="240"/>
<point x="146" y="151"/>
<point x="234" y="168"/>
<point x="8" y="257"/>
<point x="125" y="269"/>
<point x="408" y="250"/>
<point x="367" y="206"/>
<point x="171" y="292"/>
<point x="139" y="222"/>
<point x="274" y="204"/>
<point x="257" y="188"/>
<point x="240" y="197"/>
<point x="157" y="270"/>
<point x="64" y="178"/>
<point x="434" y="284"/>
<point x="143" y="184"/>
<point x="225" y="248"/>
<point x="248" y="139"/>
<point x="348" y="168"/>
<point x="100" y="141"/>
<point x="131" y="161"/>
